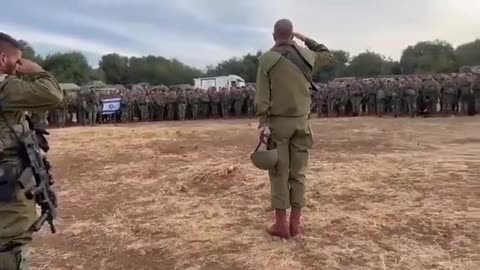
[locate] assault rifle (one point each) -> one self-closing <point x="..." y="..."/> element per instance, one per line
<point x="36" y="178"/>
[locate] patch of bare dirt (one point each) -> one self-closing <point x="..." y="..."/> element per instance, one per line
<point x="382" y="194"/>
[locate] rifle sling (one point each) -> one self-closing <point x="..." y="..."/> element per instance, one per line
<point x="298" y="61"/>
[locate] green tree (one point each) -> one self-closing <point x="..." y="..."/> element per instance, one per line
<point x="390" y="67"/>
<point x="366" y="64"/>
<point x="68" y="67"/>
<point x="115" y="68"/>
<point x="468" y="54"/>
<point x="159" y="70"/>
<point x="429" y="57"/>
<point x="97" y="74"/>
<point x="245" y="67"/>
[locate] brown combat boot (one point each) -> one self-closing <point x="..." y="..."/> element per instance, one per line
<point x="296" y="224"/>
<point x="281" y="227"/>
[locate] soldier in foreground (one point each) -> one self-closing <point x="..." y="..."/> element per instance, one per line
<point x="283" y="103"/>
<point x="24" y="86"/>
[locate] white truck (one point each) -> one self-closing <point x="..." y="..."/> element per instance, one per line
<point x="219" y="82"/>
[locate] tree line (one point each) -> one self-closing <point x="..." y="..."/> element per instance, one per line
<point x="424" y="57"/>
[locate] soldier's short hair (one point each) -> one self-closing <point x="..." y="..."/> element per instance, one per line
<point x="8" y="41"/>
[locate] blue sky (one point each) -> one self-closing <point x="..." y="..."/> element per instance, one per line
<point x="203" y="32"/>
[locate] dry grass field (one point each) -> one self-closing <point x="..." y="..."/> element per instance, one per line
<point x="382" y="194"/>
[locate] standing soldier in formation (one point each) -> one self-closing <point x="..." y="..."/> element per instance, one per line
<point x="431" y="94"/>
<point x="151" y="105"/>
<point x="159" y="98"/>
<point x="92" y="107"/>
<point x="410" y="94"/>
<point x="476" y="92"/>
<point x="339" y="99"/>
<point x="251" y="101"/>
<point x="61" y="112"/>
<point x="465" y="93"/>
<point x="238" y="100"/>
<point x="214" y="101"/>
<point x="170" y="101"/>
<point x="396" y="97"/>
<point x="381" y="98"/>
<point x="205" y="104"/>
<point x="132" y="105"/>
<point x="283" y="106"/>
<point x="356" y="92"/>
<point x="225" y="102"/>
<point x="449" y="95"/>
<point x="194" y="100"/>
<point x="142" y="102"/>
<point x="34" y="88"/>
<point x="182" y="105"/>
<point x="124" y="107"/>
<point x="372" y="97"/>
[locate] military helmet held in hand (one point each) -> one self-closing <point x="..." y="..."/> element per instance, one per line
<point x="264" y="159"/>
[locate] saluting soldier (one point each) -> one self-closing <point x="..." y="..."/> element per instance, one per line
<point x="283" y="106"/>
<point x="24" y="86"/>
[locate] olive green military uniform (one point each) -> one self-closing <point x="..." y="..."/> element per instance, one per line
<point x="159" y="98"/>
<point x="182" y="105"/>
<point x="225" y="102"/>
<point x="170" y="101"/>
<point x="205" y="104"/>
<point x="283" y="103"/>
<point x="476" y="92"/>
<point x="356" y="95"/>
<point x="17" y="213"/>
<point x="152" y="106"/>
<point x="143" y="102"/>
<point x="215" y="98"/>
<point x="124" y="108"/>
<point x="92" y="107"/>
<point x="61" y="112"/>
<point x="194" y="101"/>
<point x="396" y="97"/>
<point x="372" y="97"/>
<point x="431" y="94"/>
<point x="465" y="92"/>
<point x="449" y="95"/>
<point x="251" y="102"/>
<point x="238" y="100"/>
<point x="380" y="100"/>
<point x="410" y="93"/>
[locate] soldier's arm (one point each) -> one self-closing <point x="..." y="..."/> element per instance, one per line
<point x="323" y="56"/>
<point x="262" y="96"/>
<point x="39" y="91"/>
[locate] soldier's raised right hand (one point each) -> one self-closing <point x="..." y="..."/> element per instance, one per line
<point x="26" y="66"/>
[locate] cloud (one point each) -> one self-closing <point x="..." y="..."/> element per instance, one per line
<point x="71" y="42"/>
<point x="202" y="32"/>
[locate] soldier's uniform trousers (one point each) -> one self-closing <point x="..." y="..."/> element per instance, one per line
<point x="293" y="139"/>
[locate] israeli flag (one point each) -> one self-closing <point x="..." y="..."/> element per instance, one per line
<point x="111" y="105"/>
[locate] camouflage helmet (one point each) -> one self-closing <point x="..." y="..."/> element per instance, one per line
<point x="264" y="159"/>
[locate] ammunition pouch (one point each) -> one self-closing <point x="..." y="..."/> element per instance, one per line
<point x="8" y="181"/>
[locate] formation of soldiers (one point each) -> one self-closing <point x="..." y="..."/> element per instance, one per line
<point x="412" y="95"/>
<point x="456" y="93"/>
<point x="143" y="102"/>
